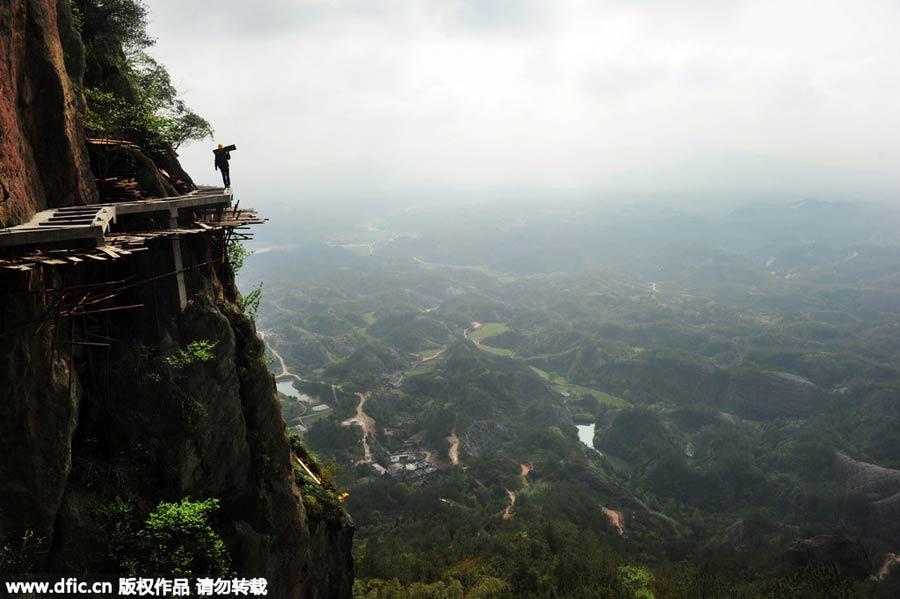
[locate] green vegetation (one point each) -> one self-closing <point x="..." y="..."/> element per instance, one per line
<point x="322" y="499"/>
<point x="130" y="95"/>
<point x="497" y="351"/>
<point x="719" y="394"/>
<point x="561" y="386"/>
<point x="488" y="329"/>
<point x="605" y="399"/>
<point x="237" y="253"/>
<point x="19" y="558"/>
<point x="249" y="303"/>
<point x="176" y="539"/>
<point x="196" y="352"/>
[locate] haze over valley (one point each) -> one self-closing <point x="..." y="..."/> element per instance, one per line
<point x="704" y="397"/>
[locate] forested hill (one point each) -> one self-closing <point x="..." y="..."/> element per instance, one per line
<point x="588" y="402"/>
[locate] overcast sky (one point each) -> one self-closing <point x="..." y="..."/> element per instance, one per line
<point x="401" y="96"/>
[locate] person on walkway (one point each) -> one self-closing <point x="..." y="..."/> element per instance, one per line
<point x="222" y="158"/>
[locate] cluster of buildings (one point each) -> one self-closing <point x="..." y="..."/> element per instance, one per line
<point x="410" y="467"/>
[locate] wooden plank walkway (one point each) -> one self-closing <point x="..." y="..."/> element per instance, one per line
<point x="202" y="198"/>
<point x="119" y="240"/>
<point x="89" y="225"/>
<point x="86" y="225"/>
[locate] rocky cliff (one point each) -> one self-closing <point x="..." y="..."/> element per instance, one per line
<point x="43" y="157"/>
<point x="110" y="393"/>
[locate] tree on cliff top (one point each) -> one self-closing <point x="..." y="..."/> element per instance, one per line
<point x="130" y="95"/>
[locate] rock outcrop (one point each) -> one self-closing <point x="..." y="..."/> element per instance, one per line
<point x="85" y="425"/>
<point x="43" y="157"/>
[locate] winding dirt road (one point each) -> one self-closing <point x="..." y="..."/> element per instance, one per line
<point x="284" y="369"/>
<point x="453" y="453"/>
<point x="507" y="513"/>
<point x="523" y="472"/>
<point x="365" y="422"/>
<point x="890" y="560"/>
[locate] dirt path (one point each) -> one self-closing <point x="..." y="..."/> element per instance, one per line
<point x="526" y="468"/>
<point x="890" y="560"/>
<point x="430" y="358"/>
<point x="507" y="513"/>
<point x="454" y="446"/>
<point x="364" y="421"/>
<point x="434" y="460"/>
<point x="616" y="518"/>
<point x="284" y="370"/>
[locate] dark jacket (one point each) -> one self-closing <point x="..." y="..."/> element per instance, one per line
<point x="222" y="158"/>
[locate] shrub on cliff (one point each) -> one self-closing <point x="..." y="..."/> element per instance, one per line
<point x="176" y="539"/>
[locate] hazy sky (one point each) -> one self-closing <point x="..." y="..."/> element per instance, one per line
<point x="400" y="96"/>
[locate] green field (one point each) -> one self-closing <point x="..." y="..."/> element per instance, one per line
<point x="561" y="385"/>
<point x="422" y="368"/>
<point x="498" y="351"/>
<point x="488" y="329"/>
<point x="606" y="399"/>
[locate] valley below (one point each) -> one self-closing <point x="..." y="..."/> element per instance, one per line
<point x="633" y="411"/>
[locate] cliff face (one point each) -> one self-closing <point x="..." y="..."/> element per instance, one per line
<point x="85" y="423"/>
<point x="43" y="159"/>
<point x="102" y="399"/>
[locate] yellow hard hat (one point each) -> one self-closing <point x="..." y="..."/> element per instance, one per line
<point x="221" y="146"/>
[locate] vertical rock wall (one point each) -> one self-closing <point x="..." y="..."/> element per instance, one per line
<point x="84" y="424"/>
<point x="43" y="158"/>
<point x="39" y="403"/>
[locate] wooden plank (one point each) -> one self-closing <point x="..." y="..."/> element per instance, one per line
<point x="97" y="258"/>
<point x="108" y="251"/>
<point x="308" y="471"/>
<point x="75" y="259"/>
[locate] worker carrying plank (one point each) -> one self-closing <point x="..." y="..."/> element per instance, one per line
<point x="223" y="155"/>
